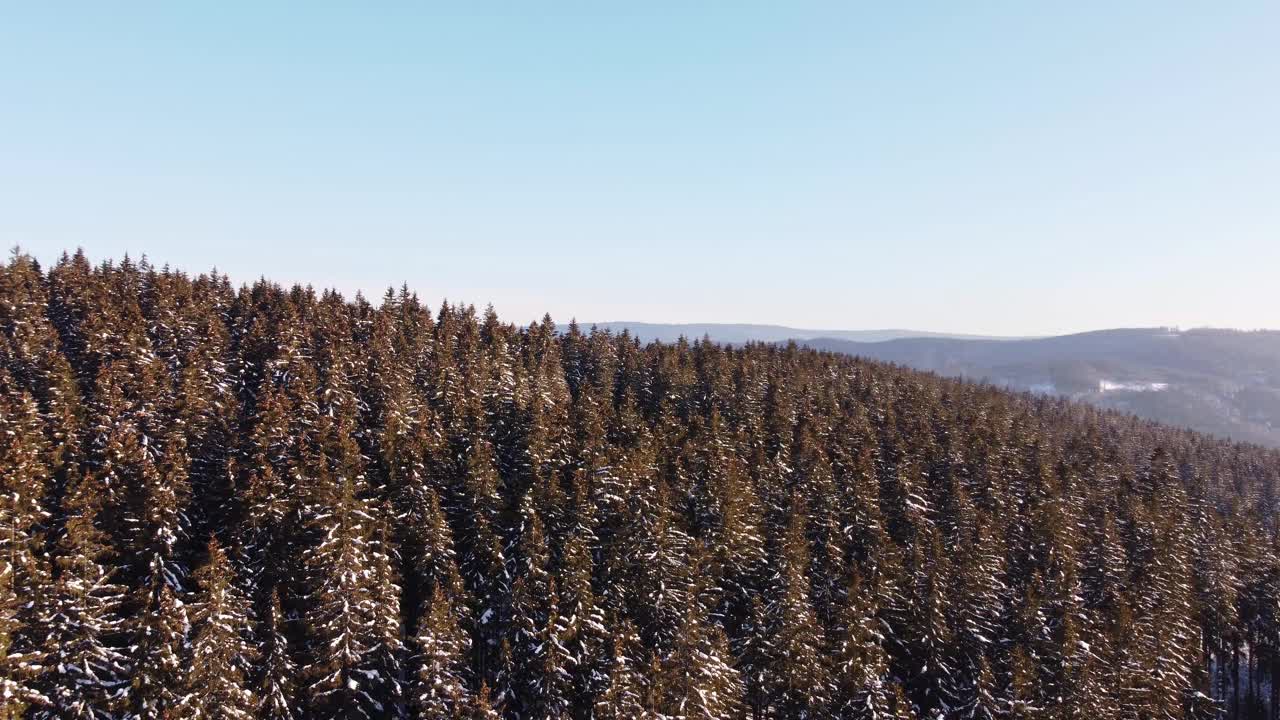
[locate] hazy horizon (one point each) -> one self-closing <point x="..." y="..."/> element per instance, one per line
<point x="1010" y="171"/>
<point x="373" y="294"/>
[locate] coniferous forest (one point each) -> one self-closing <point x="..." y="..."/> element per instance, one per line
<point x="268" y="502"/>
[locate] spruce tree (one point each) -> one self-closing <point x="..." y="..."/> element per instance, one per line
<point x="160" y="680"/>
<point x="431" y="563"/>
<point x="540" y="661"/>
<point x="276" y="674"/>
<point x="268" y="531"/>
<point x="582" y="630"/>
<point x="86" y="674"/>
<point x="17" y="668"/>
<point x="222" y="653"/>
<point x="484" y="565"/>
<point x="351" y="672"/>
<point x="861" y="667"/>
<point x="481" y="706"/>
<point x="423" y="509"/>
<point x="800" y="677"/>
<point x="1022" y="688"/>
<point x="352" y="608"/>
<point x="696" y="679"/>
<point x="24" y="570"/>
<point x="902" y="707"/>
<point x="624" y="689"/>
<point x="927" y="673"/>
<point x="439" y="689"/>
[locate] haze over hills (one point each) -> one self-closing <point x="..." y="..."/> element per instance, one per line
<point x="1225" y="382"/>
<point x="743" y="332"/>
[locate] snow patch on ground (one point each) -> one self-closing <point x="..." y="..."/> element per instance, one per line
<point x="1106" y="386"/>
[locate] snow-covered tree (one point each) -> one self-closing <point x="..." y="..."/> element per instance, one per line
<point x="24" y="568"/>
<point x="160" y="649"/>
<point x="861" y="666"/>
<point x="440" y="689"/>
<point x="276" y="673"/>
<point x="222" y="653"/>
<point x="624" y="693"/>
<point x="354" y="669"/>
<point x="799" y="676"/>
<point x="86" y="674"/>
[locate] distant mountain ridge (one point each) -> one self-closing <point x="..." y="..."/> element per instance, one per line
<point x="736" y="333"/>
<point x="1224" y="382"/>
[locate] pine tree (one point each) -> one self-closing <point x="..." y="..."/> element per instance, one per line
<point x="352" y="673"/>
<point x="582" y="632"/>
<point x="861" y="666"/>
<point x="440" y="685"/>
<point x="800" y="678"/>
<point x="276" y="689"/>
<point x="222" y="655"/>
<point x="24" y="571"/>
<point x="160" y="649"/>
<point x="624" y="689"/>
<point x="87" y="673"/>
<point x="696" y="680"/>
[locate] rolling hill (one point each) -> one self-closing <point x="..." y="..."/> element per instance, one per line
<point x="738" y="333"/>
<point x="1224" y="382"/>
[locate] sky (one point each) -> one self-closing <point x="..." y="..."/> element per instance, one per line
<point x="1003" y="168"/>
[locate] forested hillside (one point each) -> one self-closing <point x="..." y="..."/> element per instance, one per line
<point x="1224" y="382"/>
<point x="221" y="502"/>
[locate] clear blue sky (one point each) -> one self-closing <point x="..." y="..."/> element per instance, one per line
<point x="988" y="167"/>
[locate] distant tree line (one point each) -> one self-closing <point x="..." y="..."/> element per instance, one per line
<point x="260" y="502"/>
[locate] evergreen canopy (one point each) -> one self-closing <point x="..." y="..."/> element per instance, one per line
<point x="277" y="503"/>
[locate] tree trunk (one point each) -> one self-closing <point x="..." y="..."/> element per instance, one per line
<point x="1235" y="680"/>
<point x="1275" y="689"/>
